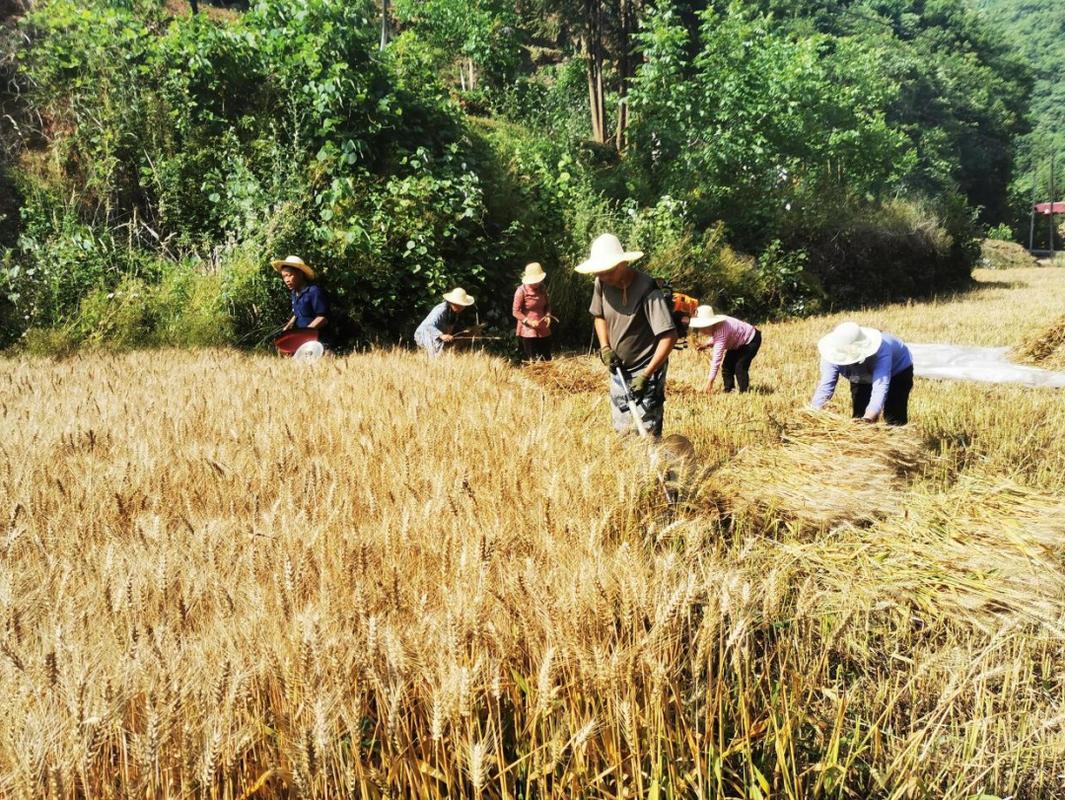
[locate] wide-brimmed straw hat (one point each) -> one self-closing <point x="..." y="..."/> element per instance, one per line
<point x="849" y="343"/>
<point x="459" y="297"/>
<point x="534" y="273"/>
<point x="606" y="254"/>
<point x="704" y="317"/>
<point x="295" y="262"/>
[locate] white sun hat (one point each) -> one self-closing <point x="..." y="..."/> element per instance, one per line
<point x="705" y="317"/>
<point x="849" y="343"/>
<point x="606" y="254"/>
<point x="459" y="297"/>
<point x="296" y="263"/>
<point x="534" y="273"/>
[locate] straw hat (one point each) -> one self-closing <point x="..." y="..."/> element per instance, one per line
<point x="606" y="254"/>
<point x="534" y="273"/>
<point x="849" y="343"/>
<point x="459" y="297"/>
<point x="704" y="317"/>
<point x="296" y="263"/>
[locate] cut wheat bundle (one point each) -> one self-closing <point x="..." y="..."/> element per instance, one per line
<point x="981" y="557"/>
<point x="568" y="375"/>
<point x="1047" y="347"/>
<point x="829" y="471"/>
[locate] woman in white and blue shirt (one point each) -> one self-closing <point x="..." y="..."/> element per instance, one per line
<point x="879" y="367"/>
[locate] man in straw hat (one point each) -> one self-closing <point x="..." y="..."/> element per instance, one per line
<point x="877" y="364"/>
<point x="532" y="310"/>
<point x="310" y="308"/>
<point x="634" y="325"/>
<point x="437" y="329"/>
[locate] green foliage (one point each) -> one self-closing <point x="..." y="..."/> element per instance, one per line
<point x="184" y="309"/>
<point x="1003" y="233"/>
<point x="962" y="92"/>
<point x="756" y="126"/>
<point x="179" y="154"/>
<point x="784" y="285"/>
<point x="1036" y="29"/>
<point x="61" y="259"/>
<point x="483" y="33"/>
<point x="286" y="131"/>
<point x="897" y="250"/>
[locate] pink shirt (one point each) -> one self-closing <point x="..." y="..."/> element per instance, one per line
<point x="531" y="302"/>
<point x="729" y="334"/>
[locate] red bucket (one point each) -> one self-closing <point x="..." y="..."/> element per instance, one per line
<point x="290" y="341"/>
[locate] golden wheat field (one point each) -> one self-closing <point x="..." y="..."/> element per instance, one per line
<point x="231" y="576"/>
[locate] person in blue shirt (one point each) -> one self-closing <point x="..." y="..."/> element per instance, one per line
<point x="877" y="364"/>
<point x="438" y="328"/>
<point x="310" y="308"/>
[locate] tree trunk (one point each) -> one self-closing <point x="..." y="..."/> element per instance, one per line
<point x="384" y="23"/>
<point x="627" y="10"/>
<point x="195" y="6"/>
<point x="593" y="52"/>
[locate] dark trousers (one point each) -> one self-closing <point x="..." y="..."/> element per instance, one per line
<point x="536" y="348"/>
<point x="737" y="362"/>
<point x="896" y="406"/>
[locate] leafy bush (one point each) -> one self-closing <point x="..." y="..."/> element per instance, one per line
<point x="184" y="152"/>
<point x="890" y="252"/>
<point x="1001" y="233"/>
<point x="752" y="126"/>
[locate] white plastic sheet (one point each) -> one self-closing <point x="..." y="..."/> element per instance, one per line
<point x="984" y="364"/>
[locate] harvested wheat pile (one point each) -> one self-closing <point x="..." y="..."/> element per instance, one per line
<point x="1046" y="348"/>
<point x="568" y="375"/>
<point x="830" y="471"/>
<point x="978" y="555"/>
<point x="996" y="254"/>
<point x="586" y="375"/>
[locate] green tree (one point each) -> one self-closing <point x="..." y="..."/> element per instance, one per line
<point x="755" y="126"/>
<point x="478" y="37"/>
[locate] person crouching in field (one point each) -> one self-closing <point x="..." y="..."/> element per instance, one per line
<point x="438" y="328"/>
<point x="532" y="310"/>
<point x="877" y="364"/>
<point x="310" y="308"/>
<point x="634" y="325"/>
<point x="735" y="344"/>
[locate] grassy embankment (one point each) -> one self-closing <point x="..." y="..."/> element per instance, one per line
<point x="227" y="575"/>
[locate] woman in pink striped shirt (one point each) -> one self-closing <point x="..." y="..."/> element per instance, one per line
<point x="735" y="345"/>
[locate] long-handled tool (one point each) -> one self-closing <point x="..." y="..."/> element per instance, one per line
<point x="633" y="404"/>
<point x="636" y="410"/>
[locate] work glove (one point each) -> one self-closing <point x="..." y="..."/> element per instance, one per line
<point x="609" y="359"/>
<point x="639" y="385"/>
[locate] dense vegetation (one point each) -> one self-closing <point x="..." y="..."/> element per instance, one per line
<point x="772" y="157"/>
<point x="1036" y="28"/>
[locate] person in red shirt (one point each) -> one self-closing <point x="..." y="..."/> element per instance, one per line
<point x="532" y="310"/>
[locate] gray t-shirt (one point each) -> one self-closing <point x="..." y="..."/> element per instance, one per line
<point x="635" y="318"/>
